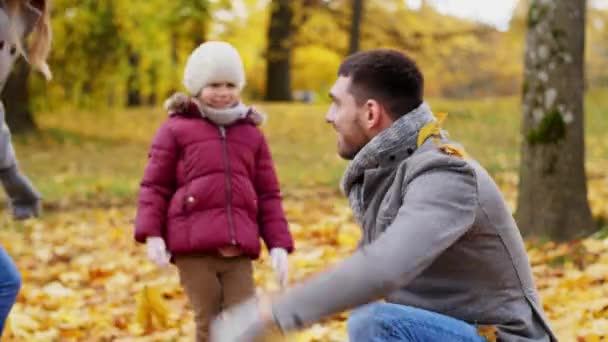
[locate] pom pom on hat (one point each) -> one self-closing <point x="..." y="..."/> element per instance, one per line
<point x="213" y="62"/>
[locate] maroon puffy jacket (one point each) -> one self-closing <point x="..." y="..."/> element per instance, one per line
<point x="206" y="187"/>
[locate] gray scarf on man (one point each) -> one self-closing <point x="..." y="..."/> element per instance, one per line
<point x="402" y="134"/>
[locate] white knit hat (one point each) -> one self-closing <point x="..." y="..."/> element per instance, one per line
<point x="213" y="62"/>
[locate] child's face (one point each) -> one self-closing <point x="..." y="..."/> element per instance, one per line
<point x="220" y="95"/>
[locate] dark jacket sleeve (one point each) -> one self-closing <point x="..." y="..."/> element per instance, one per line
<point x="157" y="186"/>
<point x="271" y="217"/>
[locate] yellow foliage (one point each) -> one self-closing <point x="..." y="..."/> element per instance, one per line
<point x="314" y="67"/>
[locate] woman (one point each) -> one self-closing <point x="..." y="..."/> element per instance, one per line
<point x="19" y="19"/>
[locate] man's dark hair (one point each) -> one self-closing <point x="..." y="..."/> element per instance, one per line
<point x="387" y="76"/>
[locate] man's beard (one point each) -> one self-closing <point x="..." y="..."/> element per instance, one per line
<point x="349" y="155"/>
<point x="351" y="152"/>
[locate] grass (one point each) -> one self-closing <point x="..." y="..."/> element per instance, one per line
<point x="98" y="157"/>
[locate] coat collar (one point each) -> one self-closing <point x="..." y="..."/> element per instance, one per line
<point x="395" y="143"/>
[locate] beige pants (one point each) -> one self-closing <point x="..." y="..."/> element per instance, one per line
<point x="212" y="284"/>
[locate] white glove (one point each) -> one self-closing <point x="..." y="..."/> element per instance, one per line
<point x="157" y="251"/>
<point x="280" y="265"/>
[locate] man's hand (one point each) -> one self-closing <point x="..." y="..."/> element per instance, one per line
<point x="246" y="322"/>
<point x="280" y="264"/>
<point x="24" y="199"/>
<point x="157" y="251"/>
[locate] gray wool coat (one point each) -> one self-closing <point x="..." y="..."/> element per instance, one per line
<point x="437" y="235"/>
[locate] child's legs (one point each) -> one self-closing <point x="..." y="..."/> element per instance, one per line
<point x="10" y="282"/>
<point x="199" y="277"/>
<point x="237" y="281"/>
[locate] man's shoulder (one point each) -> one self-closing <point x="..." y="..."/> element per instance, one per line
<point x="437" y="156"/>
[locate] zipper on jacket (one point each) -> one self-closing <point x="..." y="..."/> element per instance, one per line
<point x="228" y="181"/>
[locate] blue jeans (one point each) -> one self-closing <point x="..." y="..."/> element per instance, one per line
<point x="10" y="282"/>
<point x="383" y="322"/>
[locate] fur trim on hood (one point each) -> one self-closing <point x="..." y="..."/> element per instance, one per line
<point x="184" y="105"/>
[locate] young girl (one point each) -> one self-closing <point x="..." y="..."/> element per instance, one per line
<point x="210" y="190"/>
<point x="18" y="20"/>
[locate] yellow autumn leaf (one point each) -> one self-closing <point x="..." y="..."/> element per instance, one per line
<point x="489" y="332"/>
<point x="429" y="130"/>
<point x="441" y="116"/>
<point x="452" y="150"/>
<point x="152" y="311"/>
<point x="432" y="129"/>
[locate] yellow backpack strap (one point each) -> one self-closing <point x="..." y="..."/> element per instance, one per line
<point x="433" y="129"/>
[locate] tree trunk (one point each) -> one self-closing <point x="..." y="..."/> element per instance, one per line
<point x="200" y="20"/>
<point x="553" y="190"/>
<point x="175" y="79"/>
<point x="278" y="52"/>
<point x="16" y="95"/>
<point x="355" y="28"/>
<point x="133" y="90"/>
<point x="198" y="35"/>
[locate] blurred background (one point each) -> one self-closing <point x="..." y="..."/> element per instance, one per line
<point x="117" y="54"/>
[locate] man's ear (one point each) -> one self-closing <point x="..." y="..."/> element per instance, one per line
<point x="374" y="114"/>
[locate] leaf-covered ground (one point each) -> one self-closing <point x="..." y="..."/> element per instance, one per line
<point x="82" y="274"/>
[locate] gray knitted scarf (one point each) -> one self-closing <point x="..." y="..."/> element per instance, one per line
<point x="402" y="134"/>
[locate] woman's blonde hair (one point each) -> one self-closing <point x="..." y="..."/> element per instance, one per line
<point x="40" y="42"/>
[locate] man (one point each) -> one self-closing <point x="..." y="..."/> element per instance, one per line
<point x="439" y="244"/>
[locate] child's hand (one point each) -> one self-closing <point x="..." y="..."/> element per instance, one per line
<point x="280" y="265"/>
<point x="157" y="251"/>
